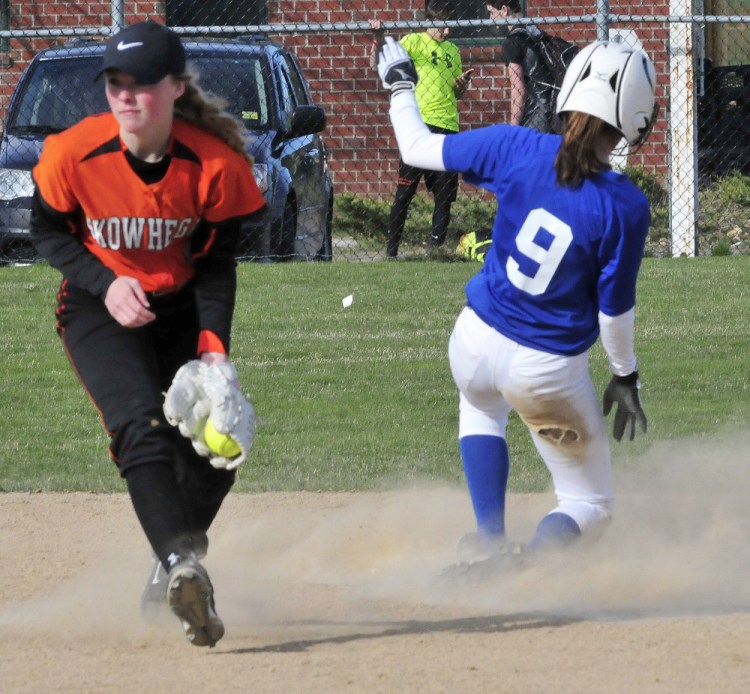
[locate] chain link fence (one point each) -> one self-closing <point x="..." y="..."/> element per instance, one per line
<point x="332" y="193"/>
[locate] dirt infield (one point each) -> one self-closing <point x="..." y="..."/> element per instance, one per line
<point x="338" y="593"/>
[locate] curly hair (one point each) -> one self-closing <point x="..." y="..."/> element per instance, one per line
<point x="207" y="111"/>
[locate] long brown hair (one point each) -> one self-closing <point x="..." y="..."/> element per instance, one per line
<point x="578" y="156"/>
<point x="207" y="112"/>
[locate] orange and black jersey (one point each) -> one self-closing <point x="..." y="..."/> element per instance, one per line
<point x="95" y="218"/>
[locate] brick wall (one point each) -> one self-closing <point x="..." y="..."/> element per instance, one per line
<point x="56" y="15"/>
<point x="363" y="152"/>
<point x="363" y="149"/>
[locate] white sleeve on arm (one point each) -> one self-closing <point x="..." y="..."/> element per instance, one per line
<point x="418" y="146"/>
<point x="617" y="333"/>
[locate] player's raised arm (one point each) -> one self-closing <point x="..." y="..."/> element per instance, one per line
<point x="417" y="145"/>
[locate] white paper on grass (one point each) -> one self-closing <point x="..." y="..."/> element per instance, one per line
<point x="347" y="300"/>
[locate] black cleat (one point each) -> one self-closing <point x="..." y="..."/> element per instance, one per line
<point x="190" y="596"/>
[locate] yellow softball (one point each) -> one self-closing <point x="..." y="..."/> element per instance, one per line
<point x="220" y="444"/>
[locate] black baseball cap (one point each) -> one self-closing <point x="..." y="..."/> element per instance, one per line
<point x="147" y="51"/>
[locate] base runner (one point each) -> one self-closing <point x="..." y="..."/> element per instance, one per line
<point x="566" y="250"/>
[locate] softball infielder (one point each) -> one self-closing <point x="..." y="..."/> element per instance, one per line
<point x="140" y="211"/>
<point x="566" y="249"/>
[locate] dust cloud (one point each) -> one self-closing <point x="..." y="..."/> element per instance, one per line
<point x="678" y="546"/>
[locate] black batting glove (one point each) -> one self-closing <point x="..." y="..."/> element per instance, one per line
<point x="623" y="390"/>
<point x="395" y="67"/>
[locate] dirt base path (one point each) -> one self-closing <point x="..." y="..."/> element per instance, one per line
<point x="339" y="593"/>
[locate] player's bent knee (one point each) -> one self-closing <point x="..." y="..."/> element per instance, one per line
<point x="142" y="439"/>
<point x="473" y="422"/>
<point x="555" y="531"/>
<point x="559" y="435"/>
<point x="591" y="517"/>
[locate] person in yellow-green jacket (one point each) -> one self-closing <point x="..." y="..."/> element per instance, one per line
<point x="442" y="81"/>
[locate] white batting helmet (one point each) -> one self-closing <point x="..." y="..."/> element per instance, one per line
<point x="615" y="83"/>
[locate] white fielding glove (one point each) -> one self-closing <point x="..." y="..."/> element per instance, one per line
<point x="230" y="411"/>
<point x="186" y="405"/>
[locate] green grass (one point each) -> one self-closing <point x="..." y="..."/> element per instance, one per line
<point x="362" y="397"/>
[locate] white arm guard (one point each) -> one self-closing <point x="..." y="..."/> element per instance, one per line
<point x="617" y="333"/>
<point x="230" y="411"/>
<point x="186" y="405"/>
<point x="418" y="146"/>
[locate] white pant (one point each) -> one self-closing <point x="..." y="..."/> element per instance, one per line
<point x="554" y="397"/>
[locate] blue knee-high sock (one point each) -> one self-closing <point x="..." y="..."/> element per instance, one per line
<point x="555" y="531"/>
<point x="486" y="467"/>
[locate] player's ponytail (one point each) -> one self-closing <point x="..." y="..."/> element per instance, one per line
<point x="207" y="111"/>
<point x="579" y="155"/>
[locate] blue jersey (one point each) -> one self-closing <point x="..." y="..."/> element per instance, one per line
<point x="558" y="254"/>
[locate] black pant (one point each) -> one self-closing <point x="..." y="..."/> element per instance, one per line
<point x="175" y="492"/>
<point x="444" y="188"/>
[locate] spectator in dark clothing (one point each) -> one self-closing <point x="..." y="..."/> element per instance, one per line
<point x="530" y="99"/>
